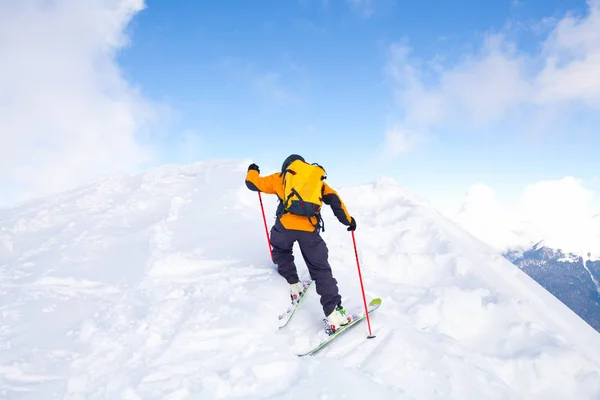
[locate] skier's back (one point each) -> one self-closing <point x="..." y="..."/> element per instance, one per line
<point x="291" y="227"/>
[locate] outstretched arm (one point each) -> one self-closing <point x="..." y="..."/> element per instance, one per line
<point x="331" y="198"/>
<point x="257" y="183"/>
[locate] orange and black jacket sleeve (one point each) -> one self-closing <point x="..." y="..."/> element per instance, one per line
<point x="266" y="184"/>
<point x="331" y="198"/>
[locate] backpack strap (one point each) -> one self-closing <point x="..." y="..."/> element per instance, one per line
<point x="280" y="209"/>
<point x="282" y="173"/>
<point x="321" y="222"/>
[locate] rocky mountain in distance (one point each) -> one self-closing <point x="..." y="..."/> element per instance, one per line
<point x="573" y="279"/>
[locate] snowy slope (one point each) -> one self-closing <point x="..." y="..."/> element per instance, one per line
<point x="160" y="286"/>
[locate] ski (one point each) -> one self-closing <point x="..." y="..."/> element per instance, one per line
<point x="294" y="306"/>
<point x="373" y="305"/>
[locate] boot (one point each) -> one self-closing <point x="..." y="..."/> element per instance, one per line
<point x="296" y="291"/>
<point x="338" y="318"/>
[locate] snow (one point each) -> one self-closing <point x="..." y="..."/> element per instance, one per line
<point x="160" y="286"/>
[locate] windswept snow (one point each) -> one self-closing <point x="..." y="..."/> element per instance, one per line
<point x="160" y="286"/>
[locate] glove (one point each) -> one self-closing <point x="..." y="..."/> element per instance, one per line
<point x="254" y="167"/>
<point x="352" y="226"/>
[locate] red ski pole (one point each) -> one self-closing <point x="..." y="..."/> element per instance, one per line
<point x="371" y="336"/>
<point x="265" y="221"/>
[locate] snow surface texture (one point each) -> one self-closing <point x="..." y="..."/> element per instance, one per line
<point x="161" y="286"/>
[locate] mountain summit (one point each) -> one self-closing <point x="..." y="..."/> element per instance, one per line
<point x="160" y="285"/>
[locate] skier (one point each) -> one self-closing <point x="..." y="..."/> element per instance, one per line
<point x="293" y="226"/>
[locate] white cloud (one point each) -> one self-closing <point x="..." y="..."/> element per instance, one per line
<point x="560" y="212"/>
<point x="552" y="208"/>
<point x="568" y="195"/>
<point x="66" y="113"/>
<point x="400" y="141"/>
<point x="572" y="61"/>
<point x="500" y="84"/>
<point x="484" y="215"/>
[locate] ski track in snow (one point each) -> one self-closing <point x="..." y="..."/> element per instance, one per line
<point x="160" y="286"/>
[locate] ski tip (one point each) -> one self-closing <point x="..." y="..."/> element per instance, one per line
<point x="375" y="302"/>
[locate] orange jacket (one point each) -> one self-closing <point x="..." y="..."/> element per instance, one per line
<point x="273" y="184"/>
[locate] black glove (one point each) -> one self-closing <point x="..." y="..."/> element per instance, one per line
<point x="254" y="167"/>
<point x="352" y="226"/>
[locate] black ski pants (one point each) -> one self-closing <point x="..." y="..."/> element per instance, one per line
<point x="315" y="254"/>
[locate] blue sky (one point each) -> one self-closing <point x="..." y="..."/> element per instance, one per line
<point x="310" y="77"/>
<point x="439" y="95"/>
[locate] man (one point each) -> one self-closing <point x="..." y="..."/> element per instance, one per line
<point x="290" y="228"/>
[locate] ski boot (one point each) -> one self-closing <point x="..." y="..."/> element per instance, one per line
<point x="296" y="291"/>
<point x="337" y="319"/>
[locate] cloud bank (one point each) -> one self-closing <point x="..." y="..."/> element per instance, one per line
<point x="66" y="112"/>
<point x="559" y="212"/>
<point x="500" y="86"/>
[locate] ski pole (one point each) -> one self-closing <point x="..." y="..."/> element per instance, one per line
<point x="265" y="221"/>
<point x="371" y="336"/>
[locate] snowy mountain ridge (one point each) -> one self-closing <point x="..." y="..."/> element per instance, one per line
<point x="159" y="285"/>
<point x="570" y="278"/>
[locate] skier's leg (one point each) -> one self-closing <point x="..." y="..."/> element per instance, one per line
<point x="315" y="253"/>
<point x="282" y="242"/>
